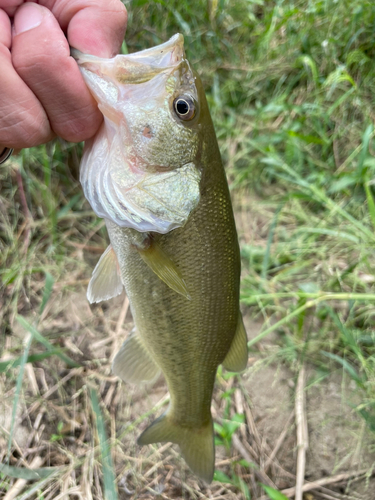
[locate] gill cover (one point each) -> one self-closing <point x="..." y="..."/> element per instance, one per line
<point x="140" y="168"/>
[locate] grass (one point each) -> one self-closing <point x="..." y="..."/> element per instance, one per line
<point x="291" y="88"/>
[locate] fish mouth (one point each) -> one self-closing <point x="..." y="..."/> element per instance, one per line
<point x="135" y="68"/>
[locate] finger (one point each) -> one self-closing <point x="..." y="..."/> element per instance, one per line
<point x="40" y="54"/>
<point x="93" y="26"/>
<point x="5" y="32"/>
<point x="10" y="6"/>
<point x="23" y="122"/>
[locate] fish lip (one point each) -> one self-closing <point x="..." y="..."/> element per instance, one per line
<point x="174" y="46"/>
<point x="146" y="63"/>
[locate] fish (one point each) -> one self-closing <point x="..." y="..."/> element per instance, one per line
<point x="154" y="173"/>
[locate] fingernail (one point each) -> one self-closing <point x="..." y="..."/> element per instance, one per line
<point x="29" y="16"/>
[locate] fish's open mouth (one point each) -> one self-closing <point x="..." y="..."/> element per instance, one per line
<point x="135" y="68"/>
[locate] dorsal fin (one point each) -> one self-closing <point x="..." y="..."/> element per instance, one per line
<point x="106" y="281"/>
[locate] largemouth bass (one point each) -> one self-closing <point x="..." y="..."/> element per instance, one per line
<point x="154" y="172"/>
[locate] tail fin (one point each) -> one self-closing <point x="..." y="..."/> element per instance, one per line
<point x="197" y="445"/>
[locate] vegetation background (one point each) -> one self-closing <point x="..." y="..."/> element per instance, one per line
<point x="291" y="87"/>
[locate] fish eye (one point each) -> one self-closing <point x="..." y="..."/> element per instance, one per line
<point x="184" y="107"/>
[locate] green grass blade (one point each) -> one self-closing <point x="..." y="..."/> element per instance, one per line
<point x="365" y="145"/>
<point x="328" y="232"/>
<point x="271" y="232"/>
<point x="27" y="474"/>
<point x="47" y="291"/>
<point x="340" y="100"/>
<point x="18" y="390"/>
<point x="309" y="64"/>
<point x="39" y="337"/>
<point x="347" y="366"/>
<point x="66" y="209"/>
<point x="110" y="491"/>
<point x="369" y="418"/>
<point x="33" y="358"/>
<point x="222" y="477"/>
<point x="273" y="494"/>
<point x="370" y="203"/>
<point x="346" y="335"/>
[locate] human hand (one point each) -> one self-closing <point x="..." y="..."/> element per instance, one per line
<point x="42" y="93"/>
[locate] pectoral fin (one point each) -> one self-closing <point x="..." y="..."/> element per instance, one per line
<point x="236" y="358"/>
<point x="163" y="267"/>
<point x="133" y="362"/>
<point x="105" y="282"/>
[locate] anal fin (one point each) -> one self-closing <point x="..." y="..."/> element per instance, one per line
<point x="164" y="268"/>
<point x="106" y="281"/>
<point x="236" y="358"/>
<point x="133" y="363"/>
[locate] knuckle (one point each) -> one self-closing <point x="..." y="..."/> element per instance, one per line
<point x="25" y="129"/>
<point x="118" y="8"/>
<point x="37" y="63"/>
<point x="39" y="134"/>
<point x="43" y="53"/>
<point x="78" y="128"/>
<point x="23" y="62"/>
<point x="119" y="15"/>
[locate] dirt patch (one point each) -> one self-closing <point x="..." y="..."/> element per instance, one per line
<point x="339" y="441"/>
